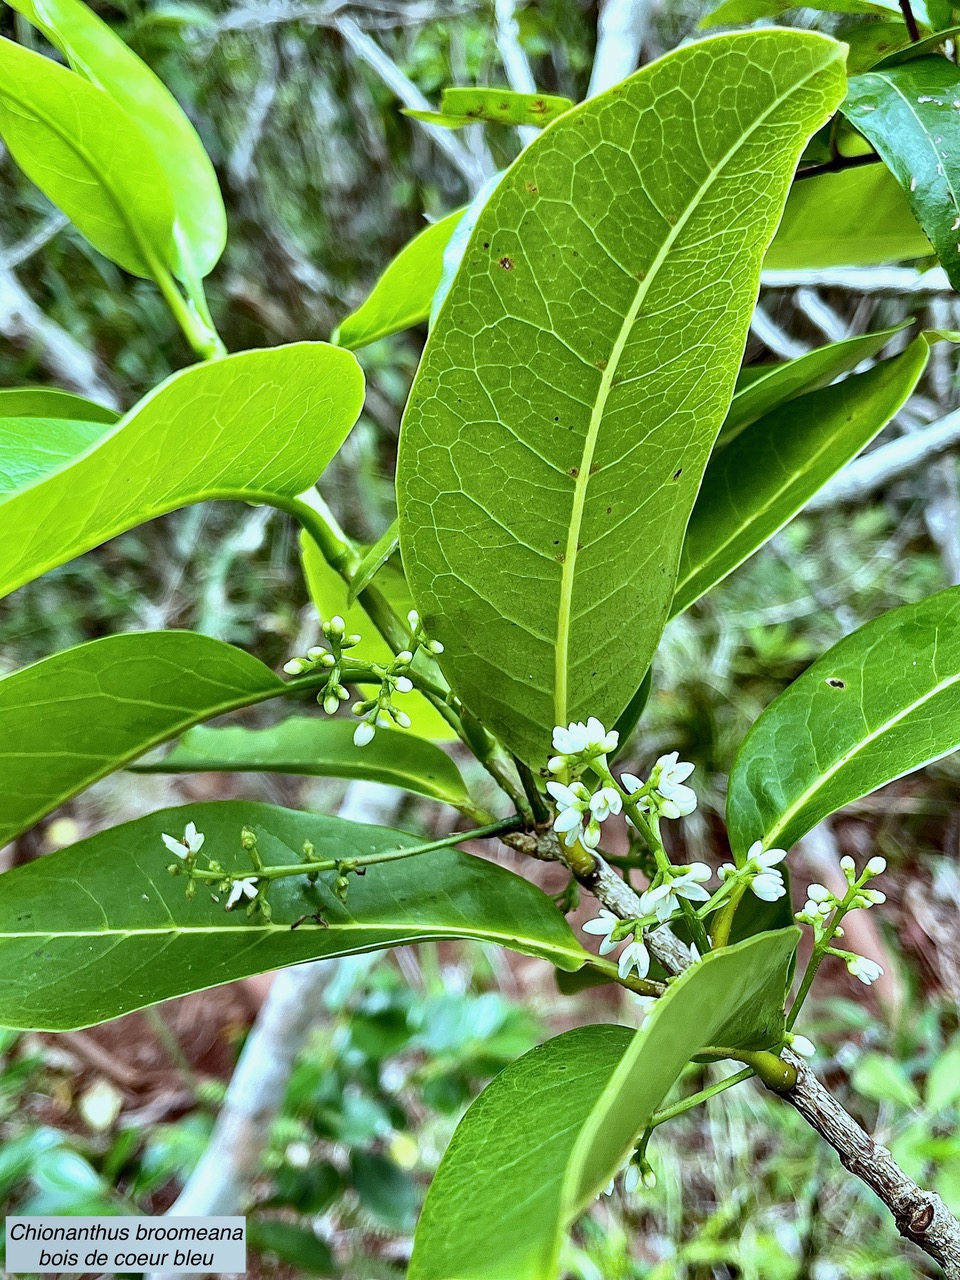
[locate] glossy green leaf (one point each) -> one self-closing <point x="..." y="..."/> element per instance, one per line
<point x="49" y="402"/>
<point x="856" y="218"/>
<point x="102" y="928"/>
<point x="31" y="447"/>
<point x="97" y="54"/>
<point x="373" y="561"/>
<point x="881" y="703"/>
<point x="930" y="44"/>
<point x="766" y="475"/>
<point x="321" y="748"/>
<point x="763" y="388"/>
<point x="329" y="593"/>
<point x="554" y="1127"/>
<point x="564" y="375"/>
<point x="76" y="716"/>
<point x="459" y="107"/>
<point x="909" y="114"/>
<point x="871" y="42"/>
<point x="403" y="295"/>
<point x="90" y="157"/>
<point x="259" y="426"/>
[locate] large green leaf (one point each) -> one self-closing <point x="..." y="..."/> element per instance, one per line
<point x="322" y="748"/>
<point x="766" y="475"/>
<point x="881" y="703"/>
<point x="30" y="447"/>
<point x="761" y="388"/>
<point x="101" y="928"/>
<point x="562" y="415"/>
<point x="259" y="426"/>
<point x="909" y="114"/>
<point x="50" y="402"/>
<point x="330" y="595"/>
<point x="731" y="12"/>
<point x="553" y="1128"/>
<point x="76" y="716"/>
<point x="403" y="295"/>
<point x="94" y="52"/>
<point x="856" y="218"/>
<point x="90" y="157"/>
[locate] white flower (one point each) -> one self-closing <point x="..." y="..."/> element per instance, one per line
<point x="664" y="900"/>
<point x="590" y="739"/>
<point x="605" y="802"/>
<point x="867" y="971"/>
<point x="603" y="925"/>
<point x="634" y="956"/>
<point x="767" y="882"/>
<point x="189" y="846"/>
<point x="246" y="888"/>
<point x="572" y="804"/>
<point x="363" y="734"/>
<point x="802" y="1046"/>
<point x="673" y="772"/>
<point x="631" y="784"/>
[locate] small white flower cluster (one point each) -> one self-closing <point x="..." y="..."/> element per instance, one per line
<point x="420" y="636"/>
<point x="580" y="813"/>
<point x="613" y="931"/>
<point x="663" y="899"/>
<point x="379" y="712"/>
<point x="333" y="691"/>
<point x="760" y="871"/>
<point x="187" y="848"/>
<point x="821" y="904"/>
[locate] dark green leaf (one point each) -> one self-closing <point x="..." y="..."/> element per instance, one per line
<point x="459" y="107"/>
<point x="384" y="1189"/>
<point x="766" y="475"/>
<point x="881" y="703"/>
<point x="298" y="1246"/>
<point x="872" y="42"/>
<point x="856" y="218"/>
<point x="528" y="553"/>
<point x="259" y="426"/>
<point x="554" y="1127"/>
<point x="931" y="44"/>
<point x="321" y="748"/>
<point x="102" y="928"/>
<point x="97" y="54"/>
<point x="79" y="715"/>
<point x="90" y="157"/>
<point x="403" y="295"/>
<point x="48" y="402"/>
<point x="909" y="114"/>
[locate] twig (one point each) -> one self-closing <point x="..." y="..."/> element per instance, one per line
<point x="821" y="314"/>
<point x="38" y="239"/>
<point x="514" y="59"/>
<point x="368" y="51"/>
<point x="838" y="164"/>
<point x="895" y="280"/>
<point x="777" y="339"/>
<point x="887" y="463"/>
<point x="621" y="30"/>
<point x="920" y="1215"/>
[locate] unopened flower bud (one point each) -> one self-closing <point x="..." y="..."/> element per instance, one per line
<point x="404" y="656"/>
<point x="847" y="864"/>
<point x="402" y="719"/>
<point x="294" y="667"/>
<point x="819" y="893"/>
<point x="413" y="618"/>
<point x="363" y="734"/>
<point x="331" y="704"/>
<point x="316" y="653"/>
<point x="435" y="646"/>
<point x="403" y="684"/>
<point x="877" y="866"/>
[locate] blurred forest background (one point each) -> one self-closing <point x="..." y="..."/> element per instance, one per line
<point x="298" y="104"/>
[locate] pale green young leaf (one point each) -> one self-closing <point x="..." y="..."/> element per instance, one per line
<point x="459" y="107"/>
<point x="554" y="1127"/>
<point x="732" y="12"/>
<point x="761" y="388"/>
<point x="374" y="558"/>
<point x="330" y="595"/>
<point x="76" y="716"/>
<point x="320" y="748"/>
<point x="881" y="703"/>
<point x="31" y="447"/>
<point x="89" y="156"/>
<point x="764" y="477"/>
<point x="100" y="56"/>
<point x="49" y="402"/>
<point x="943" y="1083"/>
<point x="909" y="114"/>
<point x="259" y="426"/>
<point x="102" y="928"/>
<point x="403" y="295"/>
<point x="856" y="218"/>
<point x="558" y="427"/>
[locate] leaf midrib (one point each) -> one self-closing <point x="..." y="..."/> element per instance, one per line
<point x="796" y="807"/>
<point x="582" y="479"/>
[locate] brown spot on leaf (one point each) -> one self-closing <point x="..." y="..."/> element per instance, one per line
<point x="836" y="683"/>
<point x="506" y="263"/>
